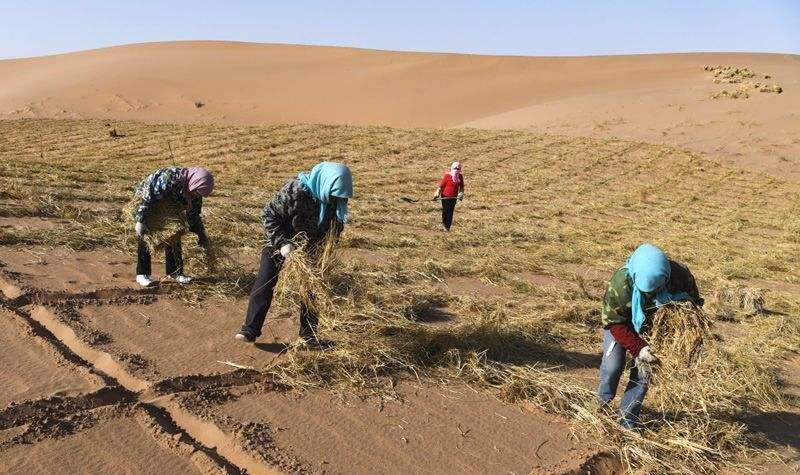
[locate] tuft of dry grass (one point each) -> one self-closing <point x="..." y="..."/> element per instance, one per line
<point x="730" y="302"/>
<point x="743" y="78"/>
<point x="729" y="74"/>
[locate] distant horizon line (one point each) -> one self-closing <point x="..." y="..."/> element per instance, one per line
<point x="401" y="51"/>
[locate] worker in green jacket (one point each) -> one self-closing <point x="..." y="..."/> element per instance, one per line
<point x="647" y="281"/>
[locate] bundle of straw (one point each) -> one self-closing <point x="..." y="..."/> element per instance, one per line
<point x="306" y="276"/>
<point x="678" y="332"/>
<point x="729" y="301"/>
<point x="166" y="223"/>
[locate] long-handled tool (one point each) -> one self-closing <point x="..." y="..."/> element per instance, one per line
<point x="437" y="198"/>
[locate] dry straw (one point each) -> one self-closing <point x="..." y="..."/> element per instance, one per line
<point x="678" y="331"/>
<point x="306" y="276"/>
<point x="696" y="391"/>
<point x="730" y="302"/>
<point x="166" y="223"/>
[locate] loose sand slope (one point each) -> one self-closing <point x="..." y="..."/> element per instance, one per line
<point x="656" y="98"/>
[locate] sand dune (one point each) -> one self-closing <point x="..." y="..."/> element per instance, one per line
<point x="656" y="98"/>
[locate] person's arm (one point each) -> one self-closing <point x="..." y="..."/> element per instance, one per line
<point x="277" y="217"/>
<point x="692" y="290"/>
<point x="195" y="221"/>
<point x="337" y="228"/>
<point x="148" y="197"/>
<point x="152" y="189"/>
<point x="625" y="335"/>
<point x="616" y="314"/>
<point x="682" y="280"/>
<point x="442" y="183"/>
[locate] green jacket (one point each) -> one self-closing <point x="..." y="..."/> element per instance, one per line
<point x="617" y="300"/>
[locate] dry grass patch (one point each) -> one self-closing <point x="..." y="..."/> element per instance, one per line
<point x="568" y="211"/>
<point x="698" y="391"/>
<point x="745" y="79"/>
<point x="733" y="302"/>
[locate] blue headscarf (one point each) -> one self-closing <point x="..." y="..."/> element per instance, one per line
<point x="329" y="180"/>
<point x="649" y="269"/>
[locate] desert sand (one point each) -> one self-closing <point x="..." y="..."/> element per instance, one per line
<point x="653" y="98"/>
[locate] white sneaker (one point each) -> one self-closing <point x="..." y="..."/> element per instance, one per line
<point x="182" y="279"/>
<point x="144" y="280"/>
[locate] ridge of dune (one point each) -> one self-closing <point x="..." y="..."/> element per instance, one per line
<point x="655" y="98"/>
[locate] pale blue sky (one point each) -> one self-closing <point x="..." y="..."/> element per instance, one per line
<point x="568" y="27"/>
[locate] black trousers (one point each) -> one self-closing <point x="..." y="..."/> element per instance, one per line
<point x="173" y="257"/>
<point x="261" y="299"/>
<point x="448" y="207"/>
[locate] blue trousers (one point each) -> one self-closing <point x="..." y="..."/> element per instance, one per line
<point x="611" y="370"/>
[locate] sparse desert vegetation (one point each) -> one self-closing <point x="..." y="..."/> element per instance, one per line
<point x="507" y="304"/>
<point x="747" y="81"/>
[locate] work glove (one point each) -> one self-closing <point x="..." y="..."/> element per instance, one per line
<point x="141" y="229"/>
<point x="646" y="354"/>
<point x="645" y="362"/>
<point x="461" y="196"/>
<point x="286" y="249"/>
<point x="645" y="370"/>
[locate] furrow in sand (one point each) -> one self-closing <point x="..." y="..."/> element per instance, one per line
<point x="19" y="295"/>
<point x="100" y="360"/>
<point x="182" y="384"/>
<point x="57" y="406"/>
<point x="8" y="288"/>
<point x="210" y="435"/>
<point x="204" y="433"/>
